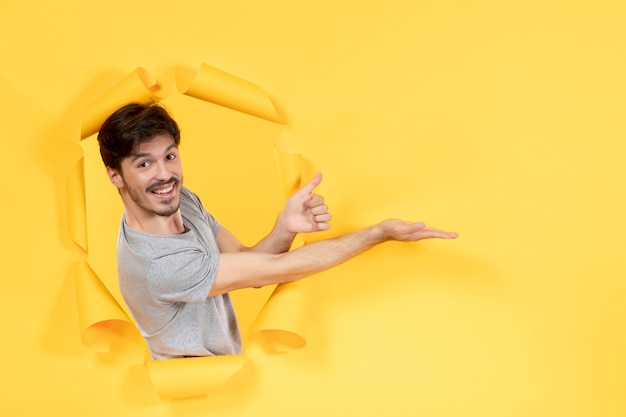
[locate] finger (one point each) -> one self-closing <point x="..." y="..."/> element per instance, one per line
<point x="323" y="218"/>
<point x="442" y="234"/>
<point x="323" y="226"/>
<point x="310" y="186"/>
<point x="314" y="200"/>
<point x="319" y="210"/>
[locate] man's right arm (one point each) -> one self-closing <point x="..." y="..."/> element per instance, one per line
<point x="253" y="269"/>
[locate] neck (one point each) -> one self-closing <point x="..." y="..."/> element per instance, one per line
<point x="153" y="223"/>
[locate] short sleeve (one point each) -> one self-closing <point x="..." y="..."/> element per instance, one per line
<point x="185" y="275"/>
<point x="195" y="200"/>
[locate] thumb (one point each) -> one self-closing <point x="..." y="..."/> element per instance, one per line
<point x="310" y="186"/>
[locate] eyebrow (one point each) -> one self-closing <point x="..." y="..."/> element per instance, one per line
<point x="145" y="155"/>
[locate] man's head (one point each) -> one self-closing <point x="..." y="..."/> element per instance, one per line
<point x="139" y="147"/>
<point x="123" y="131"/>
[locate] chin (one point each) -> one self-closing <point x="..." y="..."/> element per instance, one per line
<point x="168" y="209"/>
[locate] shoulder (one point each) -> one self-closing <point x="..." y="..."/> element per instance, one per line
<point x="193" y="209"/>
<point x="189" y="199"/>
<point x="187" y="194"/>
<point x="140" y="244"/>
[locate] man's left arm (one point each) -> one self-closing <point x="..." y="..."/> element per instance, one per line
<point x="304" y="212"/>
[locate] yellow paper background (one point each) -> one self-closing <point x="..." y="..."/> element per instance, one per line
<point x="500" y="120"/>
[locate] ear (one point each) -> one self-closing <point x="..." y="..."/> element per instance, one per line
<point x="115" y="177"/>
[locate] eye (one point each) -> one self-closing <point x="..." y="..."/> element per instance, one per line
<point x="143" y="164"/>
<point x="170" y="157"/>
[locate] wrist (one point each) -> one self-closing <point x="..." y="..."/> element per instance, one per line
<point x="380" y="233"/>
<point x="282" y="230"/>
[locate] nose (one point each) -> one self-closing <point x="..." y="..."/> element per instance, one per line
<point x="162" y="172"/>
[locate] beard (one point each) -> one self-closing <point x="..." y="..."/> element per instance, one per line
<point x="163" y="208"/>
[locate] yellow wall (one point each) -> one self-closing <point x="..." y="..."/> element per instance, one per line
<point x="502" y="120"/>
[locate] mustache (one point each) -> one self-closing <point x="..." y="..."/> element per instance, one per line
<point x="160" y="184"/>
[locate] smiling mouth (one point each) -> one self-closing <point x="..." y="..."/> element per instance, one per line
<point x="165" y="190"/>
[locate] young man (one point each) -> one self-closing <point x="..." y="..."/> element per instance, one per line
<point x="177" y="264"/>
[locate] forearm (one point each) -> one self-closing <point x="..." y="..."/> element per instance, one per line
<point x="247" y="269"/>
<point x="325" y="254"/>
<point x="278" y="241"/>
<point x="243" y="270"/>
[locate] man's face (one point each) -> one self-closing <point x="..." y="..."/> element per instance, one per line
<point x="151" y="177"/>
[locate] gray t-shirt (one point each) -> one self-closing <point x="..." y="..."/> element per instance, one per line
<point x="165" y="281"/>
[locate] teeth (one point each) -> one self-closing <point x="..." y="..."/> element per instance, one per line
<point x="164" y="190"/>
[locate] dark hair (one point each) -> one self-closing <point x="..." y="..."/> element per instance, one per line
<point x="124" y="130"/>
